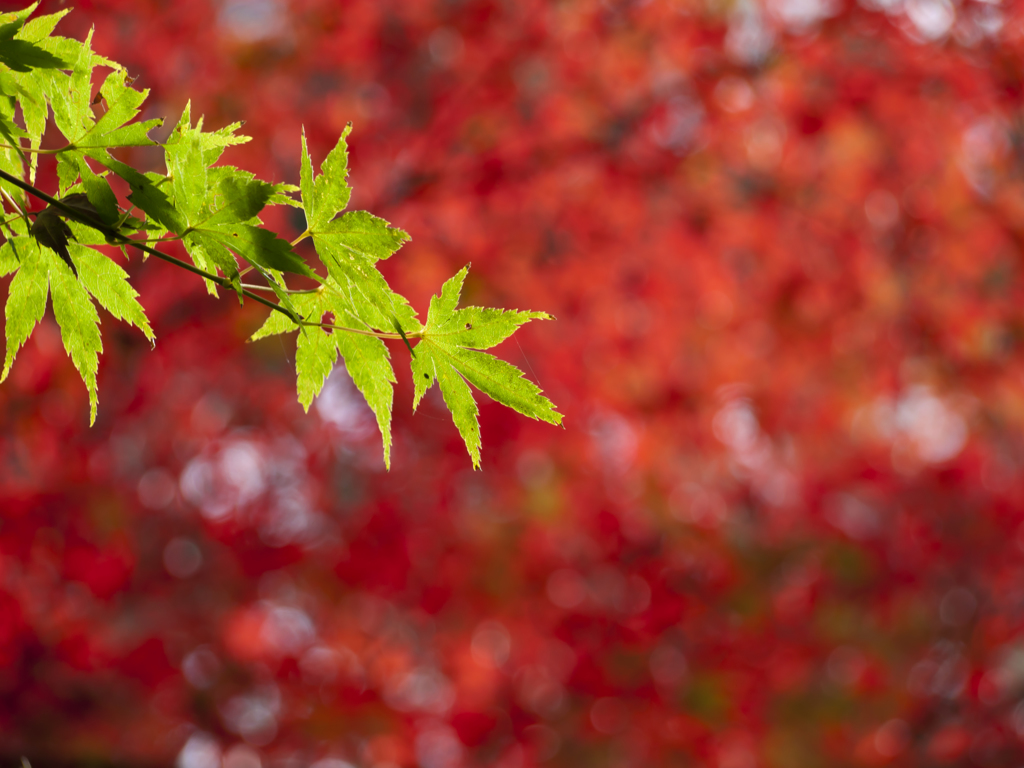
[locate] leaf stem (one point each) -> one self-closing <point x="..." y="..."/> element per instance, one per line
<point x="12" y="202"/>
<point x="32" y="151"/>
<point x="253" y="287"/>
<point x="333" y="327"/>
<point x="171" y="239"/>
<point x="299" y="239"/>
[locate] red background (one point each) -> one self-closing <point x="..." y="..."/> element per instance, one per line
<point x="781" y="525"/>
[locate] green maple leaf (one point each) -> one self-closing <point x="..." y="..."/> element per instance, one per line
<point x="366" y="358"/>
<point x="448" y="353"/>
<point x="351" y="244"/>
<point x="42" y="272"/>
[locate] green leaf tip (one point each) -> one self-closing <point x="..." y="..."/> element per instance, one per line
<point x="26" y="300"/>
<point x="326" y="195"/>
<point x="79" y="327"/>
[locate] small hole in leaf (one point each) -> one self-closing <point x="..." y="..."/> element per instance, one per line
<point x="469" y="326"/>
<point x="426" y="375"/>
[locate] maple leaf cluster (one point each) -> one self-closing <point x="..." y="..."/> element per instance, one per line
<point x="214" y="213"/>
<point x="782" y="525"/>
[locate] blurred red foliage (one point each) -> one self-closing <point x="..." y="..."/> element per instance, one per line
<point x="782" y="526"/>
